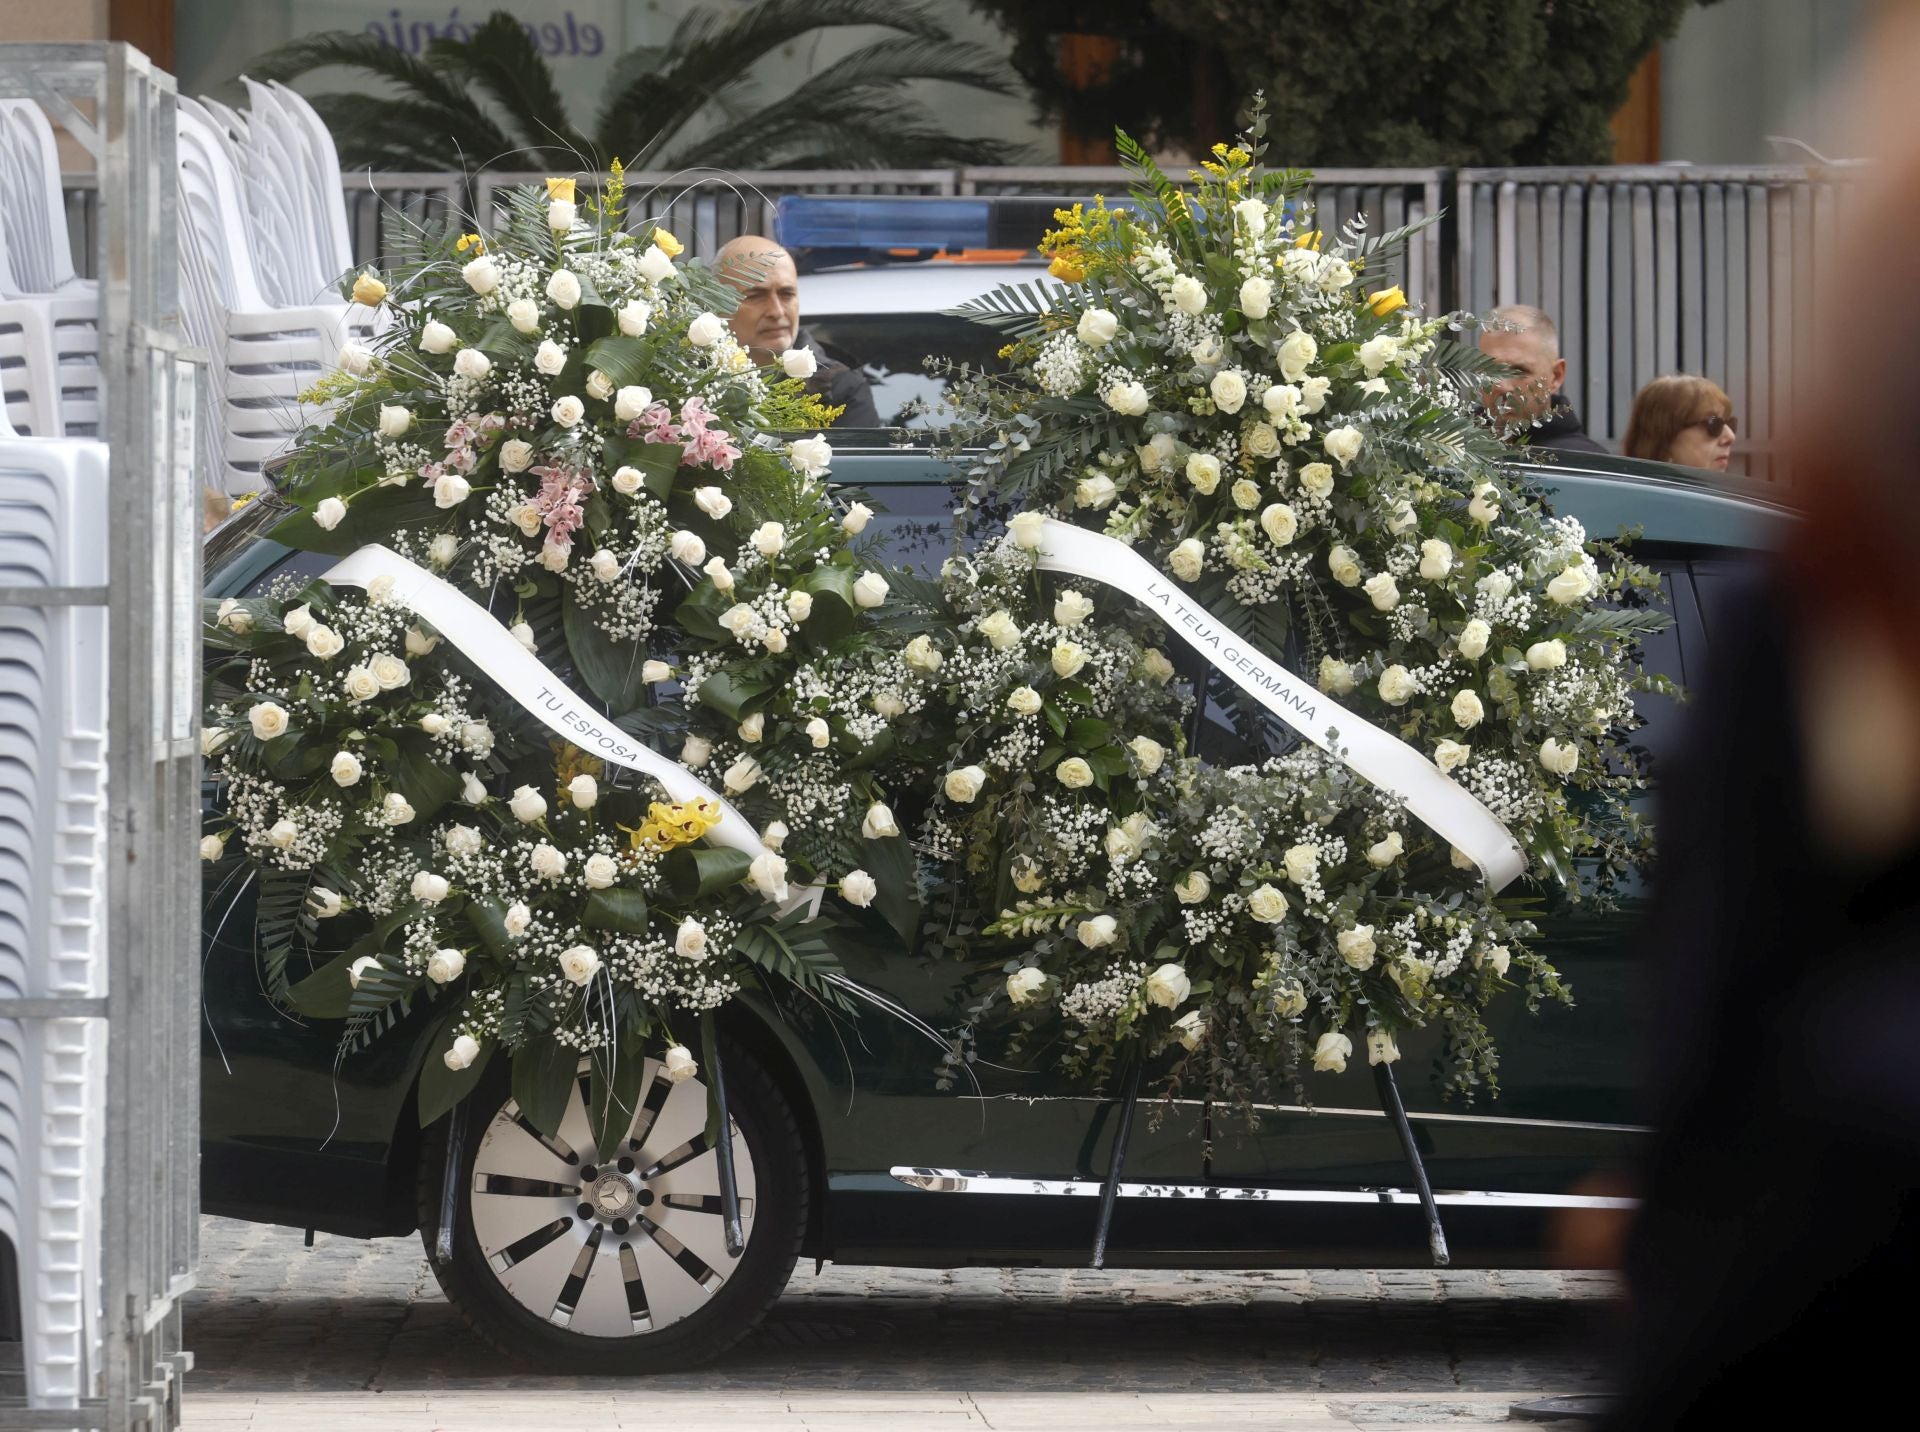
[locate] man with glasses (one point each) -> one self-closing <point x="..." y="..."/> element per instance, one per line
<point x="1528" y="404"/>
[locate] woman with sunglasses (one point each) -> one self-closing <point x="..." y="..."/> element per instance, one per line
<point x="1682" y="419"/>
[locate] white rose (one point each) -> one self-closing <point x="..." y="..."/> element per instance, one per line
<point x="1192" y="888"/>
<point x="268" y="719"/>
<point x="1024" y="985"/>
<point x="600" y="871"/>
<point x="1203" y="472"/>
<point x="1279" y="523"/>
<point x="233" y="616"/>
<point x="1450" y="755"/>
<point x="519" y="920"/>
<point x="1313" y="394"/>
<point x="1246" y="494"/>
<point x="1000" y="629"/>
<point x="705" y="330"/>
<point x="1094" y="492"/>
<point x="461" y="1055"/>
<point x="324" y="903"/>
<point x="685" y="546"/>
<point x="1473" y="639"/>
<point x="753" y="728"/>
<point x="1263" y="439"/>
<point x="548" y="861"/>
<point x="1157" y="453"/>
<point x="768" y="876"/>
<point x="1229" y="390"/>
<point x="1169" y="986"/>
<point x="1336" y="677"/>
<point x="1097" y="327"/>
<point x="1189" y="295"/>
<point x="1128" y="399"/>
<point x="1467" y="710"/>
<point x="888" y="703"/>
<point x="1281" y="400"/>
<point x="1256" y="297"/>
<point x="1026" y="529"/>
<point x="354" y="359"/>
<point x="213" y="739"/>
<point x="1499" y="956"/>
<point x="1344" y="564"/>
<point x="436" y="337"/>
<point x="418" y="643"/>
<point x="678" y="1061"/>
<point x="652" y="670"/>
<point x="1148" y="752"/>
<point x="690" y="940"/>
<point x="360" y="684"/>
<point x="1190" y="1028"/>
<point x="1331" y="1053"/>
<point x="472" y="790"/>
<point x="298" y="621"/>
<point x="1382" y="591"/>
<point x="428" y="888"/>
<point x="1483" y="509"/>
<point x="516" y="455"/>
<point x="633" y="317"/>
<point x="1024" y="701"/>
<point x="346" y="769"/>
<point x="741" y="776"/>
<point x="580" y="964"/>
<point x="858" y="888"/>
<point x="811" y="457"/>
<point x="528" y="805"/>
<point x="283" y="834"/>
<point x="870" y="590"/>
<point x="1343" y="444"/>
<point x="879" y="822"/>
<point x="1569" y="587"/>
<point x="1297" y="350"/>
<point x="1381" y="1048"/>
<point x="696" y="751"/>
<point x="472" y="364"/>
<point x="521" y="631"/>
<point x="550" y="357"/>
<point x="212" y="847"/>
<point x="584" y="791"/>
<point x="1377" y="352"/>
<point x="1546" y="655"/>
<point x="1383" y="853"/>
<point x="1461" y="860"/>
<point x="1188" y="559"/>
<point x="1559" y="757"/>
<point x="655" y="264"/>
<point x="856" y="520"/>
<point x="1267" y="904"/>
<point x="1356" y="946"/>
<point x="1404" y="518"/>
<point x="568" y="410"/>
<point x="1068" y="658"/>
<point x="462" y="840"/>
<point x="1397" y="686"/>
<point x="450" y="489"/>
<point x="329" y="514"/>
<point x="605" y="565"/>
<point x="357" y="971"/>
<point x="599" y="385"/>
<point x="964" y="785"/>
<point x="1072" y="608"/>
<point x="477" y="737"/>
<point x="524" y="315"/>
<point x="626" y="481"/>
<point x="769" y="539"/>
<point x="1302" y="863"/>
<point x="1436" y="559"/>
<point x="394" y="420"/>
<point x="562" y="214"/>
<point x="1074" y="773"/>
<point x="1101" y="930"/>
<point x="445" y="966"/>
<point x="1155" y="666"/>
<point x="799" y="363"/>
<point x="819" y="733"/>
<point x="1316" y="479"/>
<point x="564" y="288"/>
<point x="628" y="404"/>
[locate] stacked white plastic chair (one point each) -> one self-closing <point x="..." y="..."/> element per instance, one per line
<point x="53" y="715"/>
<point x="264" y="354"/>
<point x="49" y="318"/>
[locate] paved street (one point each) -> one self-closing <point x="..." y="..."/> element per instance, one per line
<point x="356" y="1335"/>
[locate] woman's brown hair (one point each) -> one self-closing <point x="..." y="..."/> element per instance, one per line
<point x="1667" y="407"/>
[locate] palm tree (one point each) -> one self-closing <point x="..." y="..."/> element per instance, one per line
<point x="492" y="102"/>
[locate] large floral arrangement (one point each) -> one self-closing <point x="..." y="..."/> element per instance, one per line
<point x="1217" y="385"/>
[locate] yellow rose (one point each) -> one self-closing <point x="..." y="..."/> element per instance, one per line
<point x="1386" y="300"/>
<point x="368" y="289"/>
<point x="560" y="189"/>
<point x="669" y="245"/>
<point x="1308" y="240"/>
<point x="1066" y="270"/>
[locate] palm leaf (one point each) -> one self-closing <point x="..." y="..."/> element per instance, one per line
<point x="503" y="62"/>
<point x="1014" y="308"/>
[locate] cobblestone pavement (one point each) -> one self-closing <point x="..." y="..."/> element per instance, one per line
<point x="353" y="1334"/>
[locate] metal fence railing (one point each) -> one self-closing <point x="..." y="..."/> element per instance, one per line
<point x="1645" y="270"/>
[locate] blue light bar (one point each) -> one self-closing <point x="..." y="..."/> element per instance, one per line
<point x="835" y="221"/>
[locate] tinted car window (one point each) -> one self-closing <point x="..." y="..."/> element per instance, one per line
<point x="1666" y="653"/>
<point x="891" y="349"/>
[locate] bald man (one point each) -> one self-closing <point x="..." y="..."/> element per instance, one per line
<point x="767" y="324"/>
<point x="1530" y="404"/>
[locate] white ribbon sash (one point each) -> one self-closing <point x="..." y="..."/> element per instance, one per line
<point x="525" y="678"/>
<point x="1453" y="812"/>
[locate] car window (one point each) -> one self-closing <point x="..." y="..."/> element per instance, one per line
<point x="1717" y="581"/>
<point x="1666" y="653"/>
<point x="913" y="523"/>
<point x="892" y="348"/>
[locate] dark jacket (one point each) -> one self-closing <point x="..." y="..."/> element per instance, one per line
<point x="1563" y="430"/>
<point x="836" y="383"/>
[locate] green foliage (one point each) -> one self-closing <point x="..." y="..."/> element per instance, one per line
<point x="492" y="101"/>
<point x="1367" y="82"/>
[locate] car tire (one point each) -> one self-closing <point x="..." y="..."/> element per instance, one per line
<point x="616" y="1269"/>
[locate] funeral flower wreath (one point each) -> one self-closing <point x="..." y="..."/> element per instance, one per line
<point x="556" y="425"/>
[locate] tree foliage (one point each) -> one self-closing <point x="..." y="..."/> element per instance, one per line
<point x="492" y="101"/>
<point x="1363" y="82"/>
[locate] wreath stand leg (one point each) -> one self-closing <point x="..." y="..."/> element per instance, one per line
<point x="1122" y="1130"/>
<point x="723" y="1141"/>
<point x="450" y="1183"/>
<point x="1390" y="1102"/>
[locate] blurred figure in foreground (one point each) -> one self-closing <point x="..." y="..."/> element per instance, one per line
<point x="1781" y="1224"/>
<point x="1531" y="404"/>
<point x="1682" y="419"/>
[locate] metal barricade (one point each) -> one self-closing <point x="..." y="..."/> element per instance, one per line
<point x="112" y="100"/>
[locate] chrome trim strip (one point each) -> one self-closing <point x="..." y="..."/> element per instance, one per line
<point x="952" y="1180"/>
<point x="1416" y="1117"/>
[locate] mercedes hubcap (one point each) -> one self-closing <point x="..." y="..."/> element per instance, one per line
<point x="609" y="1242"/>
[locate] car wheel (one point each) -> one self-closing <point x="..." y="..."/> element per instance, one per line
<point x="616" y="1260"/>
